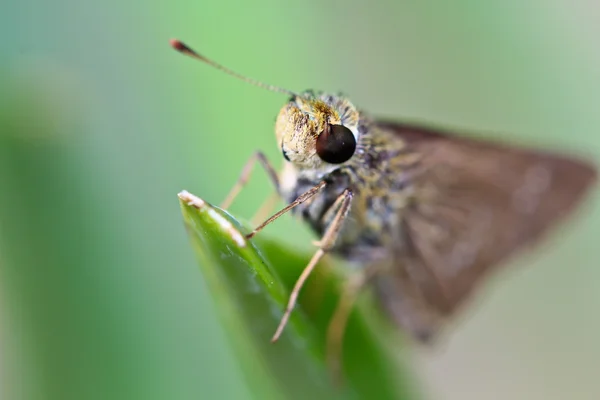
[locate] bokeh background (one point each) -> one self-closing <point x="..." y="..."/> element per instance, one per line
<point x="101" y="124"/>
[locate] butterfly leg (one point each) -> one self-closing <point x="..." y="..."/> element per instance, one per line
<point x="343" y="201"/>
<point x="245" y="176"/>
<point x="301" y="199"/>
<point x="265" y="209"/>
<point x="341" y="315"/>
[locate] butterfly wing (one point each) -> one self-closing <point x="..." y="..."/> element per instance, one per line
<point x="472" y="204"/>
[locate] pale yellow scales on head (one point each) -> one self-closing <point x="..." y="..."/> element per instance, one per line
<point x="304" y="118"/>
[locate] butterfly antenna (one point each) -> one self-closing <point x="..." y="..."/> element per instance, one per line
<point x="185" y="49"/>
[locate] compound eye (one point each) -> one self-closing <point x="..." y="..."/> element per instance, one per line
<point x="285" y="154"/>
<point x="336" y="144"/>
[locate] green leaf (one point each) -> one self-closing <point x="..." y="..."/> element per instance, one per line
<point x="250" y="282"/>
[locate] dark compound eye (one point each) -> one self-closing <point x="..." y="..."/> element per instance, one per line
<point x="284" y="154"/>
<point x="336" y="144"/>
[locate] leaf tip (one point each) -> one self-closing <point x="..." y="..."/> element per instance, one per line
<point x="190" y="199"/>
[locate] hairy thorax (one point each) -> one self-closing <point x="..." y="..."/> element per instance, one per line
<point x="373" y="220"/>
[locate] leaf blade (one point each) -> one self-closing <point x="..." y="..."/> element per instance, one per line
<point x="244" y="279"/>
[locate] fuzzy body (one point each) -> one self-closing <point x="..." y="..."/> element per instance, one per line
<point x="432" y="211"/>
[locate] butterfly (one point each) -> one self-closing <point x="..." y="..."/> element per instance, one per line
<point x="428" y="214"/>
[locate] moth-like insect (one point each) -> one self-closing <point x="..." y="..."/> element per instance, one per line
<point x="427" y="213"/>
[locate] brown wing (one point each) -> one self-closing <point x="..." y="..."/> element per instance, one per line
<point x="472" y="204"/>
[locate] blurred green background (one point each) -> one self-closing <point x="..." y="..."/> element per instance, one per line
<point x="101" y="124"/>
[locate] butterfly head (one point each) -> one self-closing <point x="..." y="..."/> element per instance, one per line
<point x="317" y="131"/>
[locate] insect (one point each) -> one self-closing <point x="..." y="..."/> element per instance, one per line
<point x="428" y="214"/>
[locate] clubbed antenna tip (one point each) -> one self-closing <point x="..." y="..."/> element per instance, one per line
<point x="184" y="49"/>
